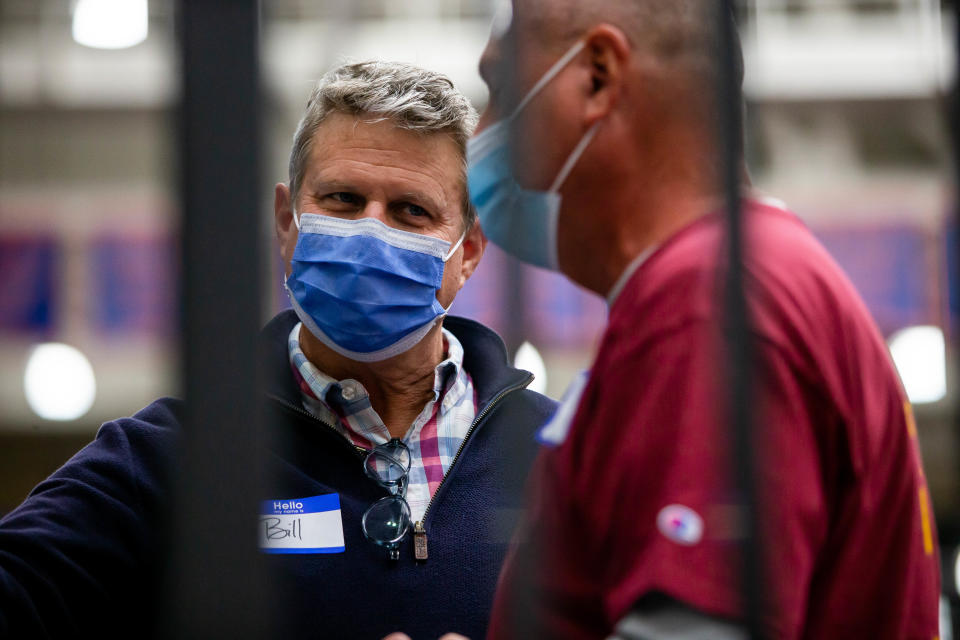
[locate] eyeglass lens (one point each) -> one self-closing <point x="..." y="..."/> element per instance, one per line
<point x="387" y="520"/>
<point x="388" y="463"/>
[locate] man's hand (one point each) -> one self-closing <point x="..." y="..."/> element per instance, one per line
<point x="403" y="636"/>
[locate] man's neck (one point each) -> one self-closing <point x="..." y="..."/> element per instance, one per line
<point x="399" y="387"/>
<point x="640" y="216"/>
<point x="652" y="175"/>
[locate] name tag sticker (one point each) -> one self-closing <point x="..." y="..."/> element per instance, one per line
<point x="555" y="431"/>
<point x="301" y="525"/>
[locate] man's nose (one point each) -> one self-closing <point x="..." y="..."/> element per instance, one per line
<point x="375" y="209"/>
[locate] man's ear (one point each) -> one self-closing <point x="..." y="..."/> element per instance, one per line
<point x="474" y="244"/>
<point x="283" y="224"/>
<point x="608" y="52"/>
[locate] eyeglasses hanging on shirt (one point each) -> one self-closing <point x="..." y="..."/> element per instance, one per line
<point x="387" y="520"/>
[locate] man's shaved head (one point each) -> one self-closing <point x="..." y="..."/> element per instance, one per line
<point x="680" y="34"/>
<point x="634" y="86"/>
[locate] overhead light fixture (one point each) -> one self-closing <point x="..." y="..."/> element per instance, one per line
<point x="58" y="382"/>
<point x="529" y="358"/>
<point x="920" y="354"/>
<point x="110" y="24"/>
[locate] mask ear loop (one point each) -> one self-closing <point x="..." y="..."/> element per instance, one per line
<point x="296" y="222"/>
<point x="548" y="76"/>
<point x="455" y="247"/>
<point x="541" y="83"/>
<point x="449" y="255"/>
<point x="574" y="157"/>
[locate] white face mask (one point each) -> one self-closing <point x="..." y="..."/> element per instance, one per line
<point x="520" y="221"/>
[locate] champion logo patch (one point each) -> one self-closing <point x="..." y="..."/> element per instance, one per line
<point x="680" y="524"/>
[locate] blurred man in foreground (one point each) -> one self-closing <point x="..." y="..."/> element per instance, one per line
<point x="392" y="491"/>
<point x="613" y="179"/>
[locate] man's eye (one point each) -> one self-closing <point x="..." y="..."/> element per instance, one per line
<point x="344" y="197"/>
<point x="417" y="211"/>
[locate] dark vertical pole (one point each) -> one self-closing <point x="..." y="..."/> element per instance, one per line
<point x="514" y="289"/>
<point x="214" y="585"/>
<point x="526" y="595"/>
<point x="953" y="305"/>
<point x="736" y="318"/>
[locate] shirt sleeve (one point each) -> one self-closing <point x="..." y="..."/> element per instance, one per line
<point x="69" y="553"/>
<point x="651" y="473"/>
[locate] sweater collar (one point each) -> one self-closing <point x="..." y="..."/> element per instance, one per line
<point x="484" y="358"/>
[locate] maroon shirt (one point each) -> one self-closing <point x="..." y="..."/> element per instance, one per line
<point x="637" y="498"/>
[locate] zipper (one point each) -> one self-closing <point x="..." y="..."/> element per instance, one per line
<point x="419" y="542"/>
<point x="420" y="550"/>
<point x="359" y="451"/>
<point x="419" y="531"/>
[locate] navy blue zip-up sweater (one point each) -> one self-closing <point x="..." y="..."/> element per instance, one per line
<point x="80" y="557"/>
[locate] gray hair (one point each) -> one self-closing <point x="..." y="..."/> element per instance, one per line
<point x="410" y="97"/>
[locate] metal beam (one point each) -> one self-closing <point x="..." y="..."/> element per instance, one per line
<point x="214" y="588"/>
<point x="736" y="321"/>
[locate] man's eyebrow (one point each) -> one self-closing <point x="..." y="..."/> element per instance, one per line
<point x="421" y="199"/>
<point x="330" y="186"/>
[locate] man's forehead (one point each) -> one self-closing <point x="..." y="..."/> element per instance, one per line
<point x="353" y="151"/>
<point x="363" y="132"/>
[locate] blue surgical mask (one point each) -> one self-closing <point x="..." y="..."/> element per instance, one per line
<point x="366" y="290"/>
<point x="522" y="222"/>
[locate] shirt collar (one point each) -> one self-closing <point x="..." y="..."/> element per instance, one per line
<point x="346" y="396"/>
<point x="750" y="195"/>
<point x="624" y="278"/>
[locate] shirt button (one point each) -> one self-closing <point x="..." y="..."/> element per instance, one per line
<point x="348" y="393"/>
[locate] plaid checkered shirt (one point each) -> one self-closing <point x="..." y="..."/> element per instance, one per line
<point x="433" y="438"/>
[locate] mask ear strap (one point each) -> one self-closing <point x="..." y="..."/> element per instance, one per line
<point x="574" y="156"/>
<point x="548" y="76"/>
<point x="455" y="247"/>
<point x="296" y="220"/>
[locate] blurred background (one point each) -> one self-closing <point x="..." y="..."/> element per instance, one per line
<point x="847" y="124"/>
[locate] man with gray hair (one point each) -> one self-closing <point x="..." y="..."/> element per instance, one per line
<point x="391" y="494"/>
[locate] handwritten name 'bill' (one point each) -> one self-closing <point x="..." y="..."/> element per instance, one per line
<point x="301" y="525"/>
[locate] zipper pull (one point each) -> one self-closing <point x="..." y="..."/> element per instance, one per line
<point x="419" y="542"/>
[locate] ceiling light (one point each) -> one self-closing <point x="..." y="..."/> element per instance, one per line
<point x="58" y="382"/>
<point x="110" y="24"/>
<point x="920" y="354"/>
